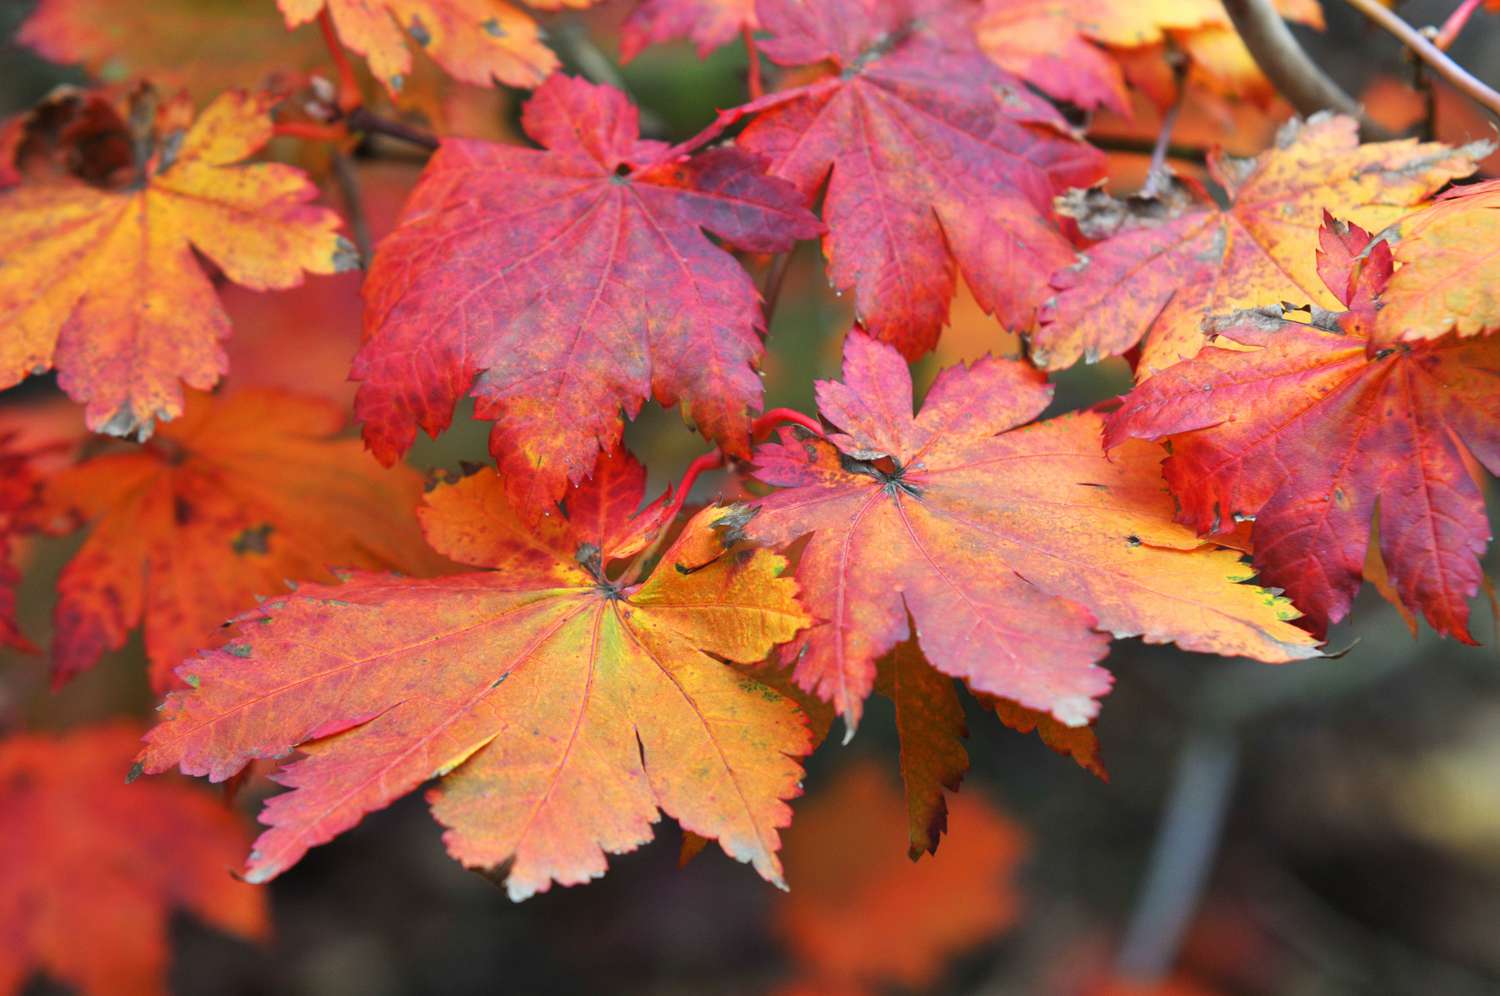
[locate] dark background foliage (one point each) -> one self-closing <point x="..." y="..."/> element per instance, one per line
<point x="1360" y="848"/>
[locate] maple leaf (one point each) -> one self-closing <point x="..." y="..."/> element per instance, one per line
<point x="103" y="285"/>
<point x="934" y="160"/>
<point x="1080" y="743"/>
<point x="1084" y="51"/>
<point x="930" y="723"/>
<point x="572" y="282"/>
<point x="860" y="913"/>
<point x="1314" y="434"/>
<point x="1449" y="269"/>
<point x="1169" y="263"/>
<point x="93" y="868"/>
<point x="1044" y="42"/>
<point x="559" y="707"/>
<point x="709" y="23"/>
<point x="207" y="47"/>
<point x="237" y="497"/>
<point x="20" y="505"/>
<point x="477" y="41"/>
<point x="1012" y="550"/>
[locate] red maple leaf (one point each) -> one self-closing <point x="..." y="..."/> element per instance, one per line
<point x="1012" y="550"/>
<point x="20" y="505"/>
<point x="709" y="23"/>
<point x="934" y="160"/>
<point x="1315" y="434"/>
<point x="572" y="282"/>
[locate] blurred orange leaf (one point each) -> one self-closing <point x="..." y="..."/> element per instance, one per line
<point x="204" y="47"/>
<point x="477" y="42"/>
<point x="239" y="496"/>
<point x="860" y="913"/>
<point x="92" y="868"/>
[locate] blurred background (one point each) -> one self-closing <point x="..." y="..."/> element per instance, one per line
<point x="1328" y="827"/>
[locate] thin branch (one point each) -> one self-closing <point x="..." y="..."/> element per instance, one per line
<point x="775" y="280"/>
<point x="362" y="119"/>
<point x="1186" y="843"/>
<point x="1457" y="76"/>
<point x="1182" y="153"/>
<point x="752" y="51"/>
<point x="1157" y="177"/>
<point x="359" y="225"/>
<point x="349" y="96"/>
<point x="784" y="416"/>
<point x="1296" y="77"/>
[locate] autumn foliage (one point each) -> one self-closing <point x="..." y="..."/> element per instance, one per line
<point x="561" y="654"/>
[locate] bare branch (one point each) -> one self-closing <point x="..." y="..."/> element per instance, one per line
<point x="1300" y="80"/>
<point x="1457" y="76"/>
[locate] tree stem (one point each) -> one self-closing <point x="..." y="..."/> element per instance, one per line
<point x="349" y="96"/>
<point x="364" y="120"/>
<point x="1186" y="843"/>
<point x="1457" y="76"/>
<point x="359" y="225"/>
<point x="752" y="51"/>
<point x="1296" y="77"/>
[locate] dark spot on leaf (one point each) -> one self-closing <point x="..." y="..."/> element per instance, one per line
<point x="237" y="649"/>
<point x="254" y="539"/>
<point x="182" y="511"/>
<point x="419" y="32"/>
<point x="345" y="256"/>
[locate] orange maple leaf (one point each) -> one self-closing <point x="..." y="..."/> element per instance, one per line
<point x="1448" y="276"/>
<point x="206" y="47"/>
<point x="560" y="706"/>
<point x="477" y="41"/>
<point x="233" y="500"/>
<point x="103" y="284"/>
<point x="1168" y="263"/>
<point x="861" y="914"/>
<point x="93" y="868"/>
<point x="1016" y="552"/>
<point x="1313" y="431"/>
